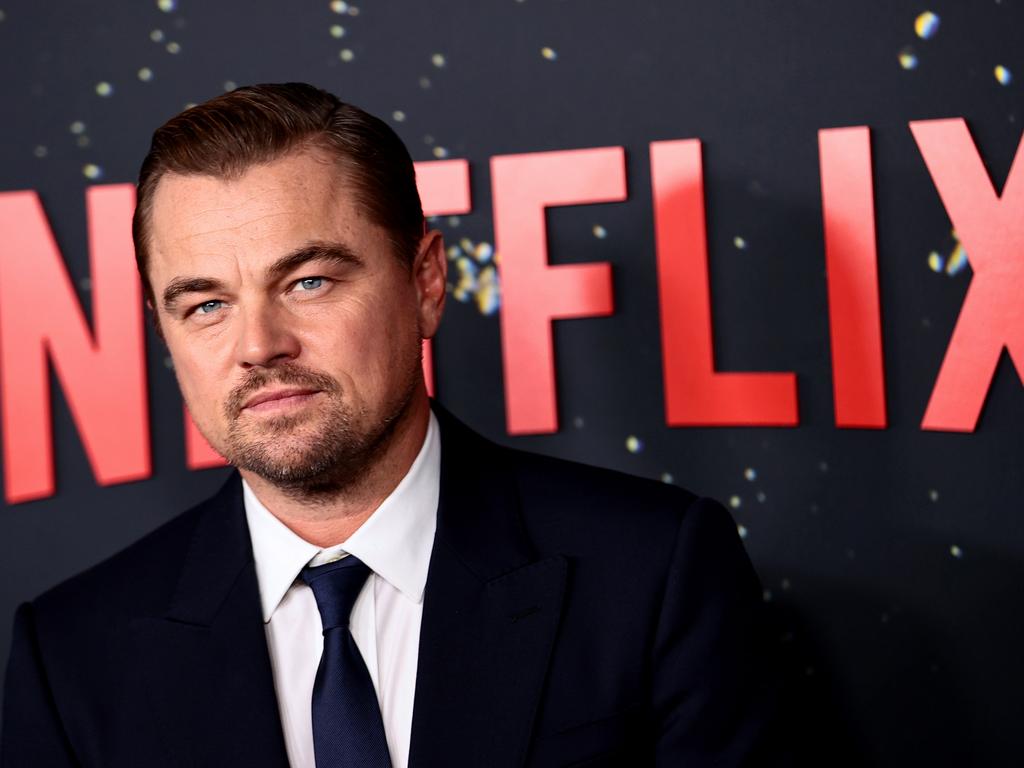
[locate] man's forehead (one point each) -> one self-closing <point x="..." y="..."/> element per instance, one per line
<point x="296" y="179"/>
<point x="269" y="200"/>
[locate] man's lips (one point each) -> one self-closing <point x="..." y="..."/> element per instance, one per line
<point x="267" y="400"/>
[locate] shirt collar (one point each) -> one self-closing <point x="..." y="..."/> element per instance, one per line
<point x="395" y="542"/>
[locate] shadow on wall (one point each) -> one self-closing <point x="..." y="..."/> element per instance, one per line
<point x="873" y="682"/>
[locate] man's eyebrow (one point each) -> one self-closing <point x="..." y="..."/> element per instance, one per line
<point x="340" y="255"/>
<point x="317" y="251"/>
<point x="179" y="286"/>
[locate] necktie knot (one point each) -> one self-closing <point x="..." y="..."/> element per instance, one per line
<point x="336" y="586"/>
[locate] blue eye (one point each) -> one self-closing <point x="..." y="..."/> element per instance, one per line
<point x="209" y="306"/>
<point x="310" y="283"/>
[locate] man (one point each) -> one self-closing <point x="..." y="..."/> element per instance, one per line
<point x="377" y="585"/>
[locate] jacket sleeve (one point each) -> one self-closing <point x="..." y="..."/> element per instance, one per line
<point x="32" y="733"/>
<point x="714" y="684"/>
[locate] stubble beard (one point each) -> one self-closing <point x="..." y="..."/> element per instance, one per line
<point x="322" y="452"/>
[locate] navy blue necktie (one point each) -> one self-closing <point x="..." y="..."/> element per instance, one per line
<point x="347" y="726"/>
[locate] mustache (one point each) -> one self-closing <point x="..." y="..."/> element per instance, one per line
<point x="290" y="375"/>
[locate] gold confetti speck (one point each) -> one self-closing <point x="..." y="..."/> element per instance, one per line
<point x="440" y="153"/>
<point x="398" y="116"/>
<point x="666" y="477"/>
<point x="488" y="294"/>
<point x="145" y="74"/>
<point x="173" y="47"/>
<point x="166" y="5"/>
<point x="926" y="25"/>
<point x="750" y="474"/>
<point x="483" y="252"/>
<point x="935" y="261"/>
<point x="600" y="232"/>
<point x="1003" y="75"/>
<point x="735" y="502"/>
<point x="957" y="259"/>
<point x="742" y="531"/>
<point x="230" y="85"/>
<point x="438" y="60"/>
<point x="92" y="171"/>
<point x="548" y="53"/>
<point x="339" y="6"/>
<point x="157" y="35"/>
<point x="337" y="31"/>
<point x="634" y="444"/>
<point x="739" y="242"/>
<point x="77" y="127"/>
<point x="956" y="552"/>
<point x="908" y="59"/>
<point x="346" y="54"/>
<point x="104" y="88"/>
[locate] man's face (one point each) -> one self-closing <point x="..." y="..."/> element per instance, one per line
<point x="294" y="329"/>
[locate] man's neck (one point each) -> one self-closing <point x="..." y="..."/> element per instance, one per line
<point x="326" y="522"/>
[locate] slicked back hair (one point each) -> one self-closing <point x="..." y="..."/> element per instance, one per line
<point x="228" y="135"/>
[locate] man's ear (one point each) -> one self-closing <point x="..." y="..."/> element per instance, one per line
<point x="430" y="272"/>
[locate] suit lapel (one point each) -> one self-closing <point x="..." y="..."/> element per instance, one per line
<point x="491" y="612"/>
<point x="205" y="663"/>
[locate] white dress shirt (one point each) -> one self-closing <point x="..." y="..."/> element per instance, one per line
<point x="395" y="542"/>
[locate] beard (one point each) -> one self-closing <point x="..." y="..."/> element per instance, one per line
<point x="322" y="451"/>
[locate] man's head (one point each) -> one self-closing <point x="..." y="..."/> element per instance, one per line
<point x="280" y="237"/>
<point x="229" y="134"/>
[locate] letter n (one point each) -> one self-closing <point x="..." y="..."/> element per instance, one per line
<point x="102" y="373"/>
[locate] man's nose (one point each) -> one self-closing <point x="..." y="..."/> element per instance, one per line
<point x="265" y="338"/>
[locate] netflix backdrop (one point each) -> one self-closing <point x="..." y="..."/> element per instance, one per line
<point x="785" y="272"/>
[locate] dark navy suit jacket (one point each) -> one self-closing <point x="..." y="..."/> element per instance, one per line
<point x="572" y="616"/>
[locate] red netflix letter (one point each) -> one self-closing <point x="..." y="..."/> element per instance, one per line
<point x="695" y="394"/>
<point x="444" y="190"/>
<point x="858" y="377"/>
<point x="103" y="375"/>
<point x="534" y="293"/>
<point x="991" y="228"/>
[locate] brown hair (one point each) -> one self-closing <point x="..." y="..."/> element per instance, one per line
<point x="229" y="134"/>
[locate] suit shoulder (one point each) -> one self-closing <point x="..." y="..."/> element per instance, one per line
<point x="140" y="575"/>
<point x="578" y="506"/>
<point x="563" y="479"/>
